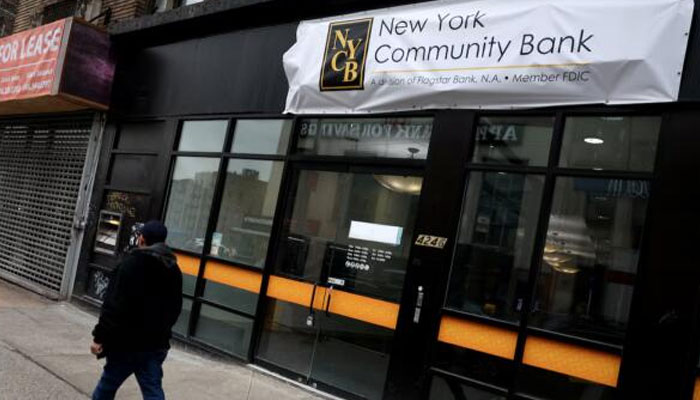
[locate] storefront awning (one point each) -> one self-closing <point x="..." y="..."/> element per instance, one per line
<point x="62" y="66"/>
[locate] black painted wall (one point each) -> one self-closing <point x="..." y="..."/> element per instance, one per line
<point x="235" y="72"/>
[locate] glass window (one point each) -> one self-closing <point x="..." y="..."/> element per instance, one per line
<point x="513" y="140"/>
<point x="184" y="319"/>
<point x="554" y="386"/>
<point x="261" y="136"/>
<point x="287" y="340"/>
<point x="610" y="143"/>
<point x="353" y="230"/>
<point x="590" y="258"/>
<point x="230" y="296"/>
<point x="189" y="201"/>
<point x="247" y="210"/>
<point x="227" y="331"/>
<point x="188" y="284"/>
<point x="449" y="389"/>
<point x="494" y="249"/>
<point x="474" y="364"/>
<point x="371" y="137"/>
<point x="203" y="135"/>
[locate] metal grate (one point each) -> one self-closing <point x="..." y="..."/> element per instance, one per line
<point x="41" y="167"/>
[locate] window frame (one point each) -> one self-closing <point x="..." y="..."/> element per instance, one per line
<point x="224" y="156"/>
<point x="550" y="172"/>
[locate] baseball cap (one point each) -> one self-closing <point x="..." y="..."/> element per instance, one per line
<point x="154" y="232"/>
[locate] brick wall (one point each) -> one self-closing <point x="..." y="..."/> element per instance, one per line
<point x="29" y="12"/>
<point x="8" y="8"/>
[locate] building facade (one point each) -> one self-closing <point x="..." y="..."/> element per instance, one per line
<point x="441" y="253"/>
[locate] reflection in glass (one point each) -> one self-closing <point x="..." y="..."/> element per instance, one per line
<point x="319" y="243"/>
<point x="474" y="364"/>
<point x="247" y="210"/>
<point x="350" y="355"/>
<point x="188" y="283"/>
<point x="189" y="202"/>
<point x="513" y="140"/>
<point x="224" y="330"/>
<point x="235" y="298"/>
<point x="449" y="389"/>
<point x="203" y="136"/>
<point x="554" y="386"/>
<point x="287" y="340"/>
<point x="353" y="232"/>
<point x="496" y="239"/>
<point x="184" y="318"/>
<point x="610" y="143"/>
<point x="367" y="137"/>
<point x="261" y="136"/>
<point x="590" y="258"/>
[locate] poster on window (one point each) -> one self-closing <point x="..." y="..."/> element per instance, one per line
<point x="490" y="54"/>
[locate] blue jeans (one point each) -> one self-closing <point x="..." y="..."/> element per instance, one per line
<point x="147" y="366"/>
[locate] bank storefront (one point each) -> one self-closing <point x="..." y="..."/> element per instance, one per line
<point x="423" y="202"/>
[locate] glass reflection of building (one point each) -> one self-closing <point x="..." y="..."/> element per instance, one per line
<point x="188" y="209"/>
<point x="245" y="217"/>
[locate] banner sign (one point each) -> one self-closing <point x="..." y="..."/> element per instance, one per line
<point x="496" y="54"/>
<point x="28" y="61"/>
<point x="67" y="65"/>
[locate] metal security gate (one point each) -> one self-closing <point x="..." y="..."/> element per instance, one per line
<point x="42" y="169"/>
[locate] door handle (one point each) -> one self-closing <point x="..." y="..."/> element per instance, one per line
<point x="311" y="317"/>
<point x="329" y="294"/>
<point x="419" y="305"/>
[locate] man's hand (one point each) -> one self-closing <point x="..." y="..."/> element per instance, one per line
<point x="96" y="348"/>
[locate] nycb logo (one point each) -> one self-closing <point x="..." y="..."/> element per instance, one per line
<point x="344" y="59"/>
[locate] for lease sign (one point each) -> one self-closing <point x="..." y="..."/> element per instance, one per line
<point x="29" y="60"/>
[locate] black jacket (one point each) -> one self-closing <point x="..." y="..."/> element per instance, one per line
<point x="142" y="303"/>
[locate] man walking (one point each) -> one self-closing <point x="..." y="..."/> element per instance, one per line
<point x="142" y="303"/>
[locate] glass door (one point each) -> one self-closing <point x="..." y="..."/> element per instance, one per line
<point x="335" y="291"/>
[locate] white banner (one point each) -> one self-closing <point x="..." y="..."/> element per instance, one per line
<point x="495" y="54"/>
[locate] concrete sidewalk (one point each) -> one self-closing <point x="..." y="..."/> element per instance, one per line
<point x="44" y="355"/>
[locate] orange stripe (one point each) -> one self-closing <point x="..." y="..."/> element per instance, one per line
<point x="696" y="393"/>
<point x="362" y="308"/>
<point x="367" y="309"/>
<point x="188" y="265"/>
<point x="480" y="337"/>
<point x="233" y="276"/>
<point x="580" y="362"/>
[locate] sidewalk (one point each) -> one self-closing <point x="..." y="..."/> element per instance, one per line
<point x="44" y="355"/>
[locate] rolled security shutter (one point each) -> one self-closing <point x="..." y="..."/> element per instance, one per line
<point x="41" y="167"/>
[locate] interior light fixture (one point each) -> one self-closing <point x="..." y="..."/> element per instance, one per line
<point x="594" y="140"/>
<point x="558" y="260"/>
<point x="401" y="184"/>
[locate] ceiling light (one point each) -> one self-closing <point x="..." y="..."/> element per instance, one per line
<point x="594" y="140"/>
<point x="401" y="184"/>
